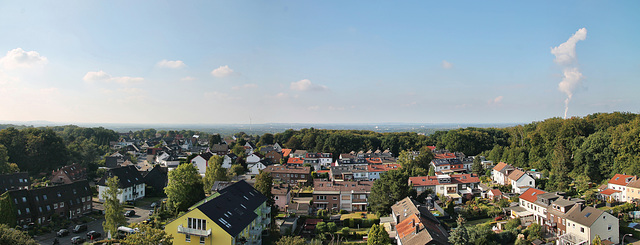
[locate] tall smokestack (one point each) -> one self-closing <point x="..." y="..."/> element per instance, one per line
<point x="566" y="57"/>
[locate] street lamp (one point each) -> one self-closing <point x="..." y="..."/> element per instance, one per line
<point x="631" y="235"/>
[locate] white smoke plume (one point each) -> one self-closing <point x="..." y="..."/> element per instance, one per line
<point x="566" y="57"/>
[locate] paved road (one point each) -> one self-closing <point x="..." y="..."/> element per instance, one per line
<point x="142" y="213"/>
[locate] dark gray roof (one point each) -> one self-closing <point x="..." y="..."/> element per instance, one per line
<point x="233" y="209"/>
<point x="446" y="161"/>
<point x="128" y="176"/>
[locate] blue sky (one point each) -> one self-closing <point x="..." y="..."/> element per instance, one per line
<point x="314" y="61"/>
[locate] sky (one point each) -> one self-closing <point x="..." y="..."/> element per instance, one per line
<point x="226" y="62"/>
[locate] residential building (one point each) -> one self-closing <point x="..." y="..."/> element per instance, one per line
<point x="415" y="225"/>
<point x="273" y="156"/>
<point x="500" y="172"/>
<point x="14" y="181"/>
<point x="68" y="174"/>
<point x="201" y="162"/>
<point x="292" y="175"/>
<point x="38" y="205"/>
<point x="453" y="186"/>
<point x="282" y="196"/>
<point x="157" y="178"/>
<point x="349" y="172"/>
<point x="633" y="191"/>
<point x="237" y="214"/>
<point x="130" y="183"/>
<point x="556" y="221"/>
<point x="520" y="181"/>
<point x="528" y="201"/>
<point x="220" y="149"/>
<point x="374" y="171"/>
<point x="255" y="168"/>
<point x="584" y="223"/>
<point x="617" y="187"/>
<point x="448" y="165"/>
<point x="341" y="195"/>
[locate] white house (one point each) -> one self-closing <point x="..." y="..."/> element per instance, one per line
<point x="584" y="223"/>
<point x="500" y="172"/>
<point x="253" y="158"/>
<point x="201" y="162"/>
<point x="520" y="181"/>
<point x="255" y="168"/>
<point x="617" y="186"/>
<point x="131" y="183"/>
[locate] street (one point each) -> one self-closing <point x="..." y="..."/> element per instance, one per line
<point x="142" y="213"/>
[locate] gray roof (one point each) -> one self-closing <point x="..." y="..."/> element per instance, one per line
<point x="584" y="216"/>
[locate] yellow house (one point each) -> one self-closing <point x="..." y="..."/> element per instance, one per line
<point x="633" y="190"/>
<point x="237" y="215"/>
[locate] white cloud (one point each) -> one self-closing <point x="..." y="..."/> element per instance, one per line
<point x="188" y="78"/>
<point x="410" y="104"/>
<point x="18" y="58"/>
<point x="282" y="95"/>
<point x="245" y="86"/>
<point x="95" y="76"/>
<point x="566" y="52"/>
<point x="446" y="65"/>
<point x="173" y="64"/>
<point x="496" y="100"/>
<point x="306" y="85"/>
<point x="313" y="108"/>
<point x="222" y="71"/>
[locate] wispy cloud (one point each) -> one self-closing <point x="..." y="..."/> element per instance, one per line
<point x="188" y="78"/>
<point x="18" y="58"/>
<point x="101" y="76"/>
<point x="496" y="100"/>
<point x="173" y="64"/>
<point x="222" y="71"/>
<point x="282" y="95"/>
<point x="245" y="86"/>
<point x="306" y="85"/>
<point x="446" y="64"/>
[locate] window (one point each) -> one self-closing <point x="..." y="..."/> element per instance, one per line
<point x="44" y="197"/>
<point x="27" y="209"/>
<point x="609" y="228"/>
<point x="201" y="240"/>
<point x="48" y="208"/>
<point x="187" y="238"/>
<point x="83" y="199"/>
<point x="582" y="229"/>
<point x="37" y="200"/>
<point x="335" y="205"/>
<point x="302" y="175"/>
<point x="62" y="204"/>
<point x="335" y="198"/>
<point x="55" y="206"/>
<point x="24" y="199"/>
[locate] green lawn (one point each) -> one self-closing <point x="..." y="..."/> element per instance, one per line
<point x="357" y="215"/>
<point x="479" y="221"/>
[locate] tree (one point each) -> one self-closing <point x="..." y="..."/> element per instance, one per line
<point x="390" y="188"/>
<point x="13" y="236"/>
<point x="432" y="171"/>
<point x="291" y="240"/>
<point x="512" y="224"/>
<point x="214" y="139"/>
<point x="147" y="235"/>
<point x="184" y="189"/>
<point x="332" y="227"/>
<point x="597" y="240"/>
<point x="266" y="139"/>
<point x="378" y="236"/>
<point x="459" y="235"/>
<point x="534" y="232"/>
<point x="481" y="235"/>
<point x="264" y="183"/>
<point x="5" y="166"/>
<point x="477" y="166"/>
<point x="113" y="210"/>
<point x="214" y="172"/>
<point x="321" y="227"/>
<point x="236" y="170"/>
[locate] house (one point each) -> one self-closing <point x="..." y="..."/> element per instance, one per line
<point x="617" y="187"/>
<point x="448" y="165"/>
<point x="584" y="223"/>
<point x="130" y="183"/>
<point x="349" y="172"/>
<point x="287" y="225"/>
<point x="494" y="194"/>
<point x="415" y="225"/>
<point x="528" y="200"/>
<point x="236" y="215"/>
<point x="286" y="152"/>
<point x="282" y="196"/>
<point x="292" y="175"/>
<point x="39" y="205"/>
<point x="255" y="168"/>
<point x="68" y="174"/>
<point x="500" y="172"/>
<point x="452" y="186"/>
<point x="155" y="181"/>
<point x="556" y="221"/>
<point x="273" y="156"/>
<point x="520" y="181"/>
<point x="219" y="149"/>
<point x="295" y="161"/>
<point x="201" y="162"/>
<point x="14" y="181"/>
<point x="374" y="171"/>
<point x="254" y="158"/>
<point x="114" y="161"/>
<point x="299" y="153"/>
<point x="341" y="195"/>
<point x="633" y="191"/>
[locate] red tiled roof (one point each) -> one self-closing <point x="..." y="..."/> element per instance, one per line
<point x="431" y="147"/>
<point x="342" y="186"/>
<point x="374" y="160"/>
<point x="516" y="175"/>
<point x="433" y="180"/>
<point x="287" y="169"/>
<point x="295" y="160"/>
<point x="408" y="225"/>
<point x="286" y="152"/>
<point x="620" y="179"/>
<point x="500" y="166"/>
<point x="322" y="171"/>
<point x="496" y="192"/>
<point x="382" y="167"/>
<point x="608" y="192"/>
<point x="444" y="156"/>
<point x="531" y="195"/>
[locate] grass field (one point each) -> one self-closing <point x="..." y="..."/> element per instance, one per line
<point x="358" y="215"/>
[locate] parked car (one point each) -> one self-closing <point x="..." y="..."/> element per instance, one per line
<point x="93" y="235"/>
<point x="62" y="232"/>
<point x="153" y="204"/>
<point x="79" y="228"/>
<point x="150" y="212"/>
<point x="77" y="240"/>
<point x="129" y="213"/>
<point x="132" y="203"/>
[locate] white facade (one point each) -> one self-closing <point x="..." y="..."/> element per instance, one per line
<point x="606" y="226"/>
<point x="619" y="196"/>
<point x="200" y="163"/>
<point x="253" y="158"/>
<point x="498" y="177"/>
<point x="522" y="184"/>
<point x="254" y="169"/>
<point x="227" y="162"/>
<point x="127" y="194"/>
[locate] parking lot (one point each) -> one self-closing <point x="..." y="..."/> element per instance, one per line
<point x="142" y="213"/>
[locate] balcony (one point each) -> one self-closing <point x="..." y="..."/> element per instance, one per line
<point x="194" y="232"/>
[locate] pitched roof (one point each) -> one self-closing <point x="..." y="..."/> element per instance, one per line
<point x="233" y="209"/>
<point x="287" y="169"/>
<point x="444" y="155"/>
<point x="621" y="179"/>
<point x="383" y="167"/>
<point x="414" y="217"/>
<point x="454" y="179"/>
<point x="583" y="215"/>
<point x="295" y="160"/>
<point x="496" y="192"/>
<point x="516" y="175"/>
<point x="349" y="186"/>
<point x="609" y="192"/>
<point x="286" y="152"/>
<point x="500" y="166"/>
<point x="634" y="184"/>
<point x="127" y="176"/>
<point x="531" y="194"/>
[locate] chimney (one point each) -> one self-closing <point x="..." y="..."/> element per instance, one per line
<point x="579" y="205"/>
<point x="417" y="228"/>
